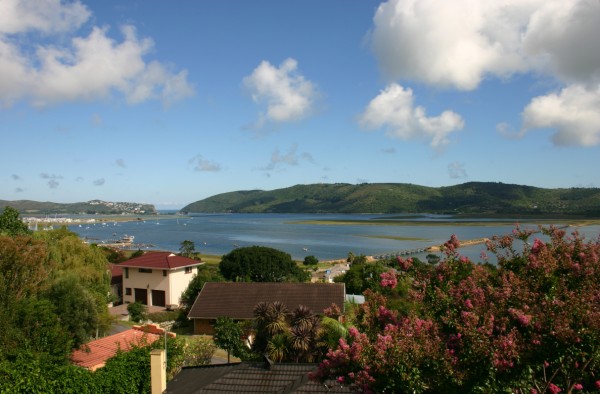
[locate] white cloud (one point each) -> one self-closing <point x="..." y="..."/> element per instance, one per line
<point x="574" y="113"/>
<point x="87" y="68"/>
<point x="120" y="163"/>
<point x="47" y="16"/>
<point x="202" y="165"/>
<point x="99" y="182"/>
<point x="456" y="170"/>
<point x="393" y="109"/>
<point x="458" y="44"/>
<point x="287" y="95"/>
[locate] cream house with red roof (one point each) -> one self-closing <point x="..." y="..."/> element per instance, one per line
<point x="157" y="278"/>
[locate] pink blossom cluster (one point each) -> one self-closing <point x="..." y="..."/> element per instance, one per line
<point x="531" y="324"/>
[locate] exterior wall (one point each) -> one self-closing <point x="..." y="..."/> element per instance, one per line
<point x="179" y="282"/>
<point x="173" y="284"/>
<point x="141" y="280"/>
<point x="204" y="327"/>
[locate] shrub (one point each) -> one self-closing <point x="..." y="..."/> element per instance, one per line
<point x="137" y="311"/>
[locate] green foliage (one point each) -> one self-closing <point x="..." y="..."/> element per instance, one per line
<point x="228" y="336"/>
<point x="261" y="264"/>
<point x="311" y="260"/>
<point x="137" y="253"/>
<point x="198" y="351"/>
<point x="187" y="249"/>
<point x="137" y="311"/>
<point x="205" y="273"/>
<point x="11" y="224"/>
<point x="362" y="276"/>
<point x="472" y="198"/>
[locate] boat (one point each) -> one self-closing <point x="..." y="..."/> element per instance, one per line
<point x="126" y="239"/>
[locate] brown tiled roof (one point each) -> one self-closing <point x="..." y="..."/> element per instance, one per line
<point x="160" y="260"/>
<point x="94" y="354"/>
<point x="237" y="300"/>
<point x="249" y="377"/>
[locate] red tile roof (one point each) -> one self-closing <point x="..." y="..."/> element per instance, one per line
<point x="94" y="354"/>
<point x="160" y="260"/>
<point x="237" y="300"/>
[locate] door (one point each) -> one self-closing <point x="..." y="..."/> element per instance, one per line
<point x="141" y="296"/>
<point x="158" y="298"/>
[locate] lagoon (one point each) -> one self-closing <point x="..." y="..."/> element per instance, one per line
<point x="325" y="236"/>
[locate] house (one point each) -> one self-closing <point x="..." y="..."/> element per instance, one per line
<point x="157" y="278"/>
<point x="237" y="300"/>
<point x="116" y="283"/>
<point x="94" y="354"/>
<point x="251" y="377"/>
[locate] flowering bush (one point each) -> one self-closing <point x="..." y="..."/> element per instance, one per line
<point x="531" y="324"/>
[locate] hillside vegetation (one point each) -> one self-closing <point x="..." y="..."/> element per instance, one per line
<point x="473" y="198"/>
<point x="89" y="207"/>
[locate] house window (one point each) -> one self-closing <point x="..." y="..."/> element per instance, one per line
<point x="126" y="273"/>
<point x="164" y="272"/>
<point x="145" y="270"/>
<point x="128" y="291"/>
<point x="188" y="270"/>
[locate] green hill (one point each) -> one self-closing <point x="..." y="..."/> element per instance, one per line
<point x="473" y="198"/>
<point x="90" y="207"/>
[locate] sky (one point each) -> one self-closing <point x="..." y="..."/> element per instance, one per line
<point x="171" y="102"/>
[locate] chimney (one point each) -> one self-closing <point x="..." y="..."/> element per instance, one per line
<point x="158" y="371"/>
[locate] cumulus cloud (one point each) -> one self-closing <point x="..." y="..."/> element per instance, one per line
<point x="460" y="43"/>
<point x="456" y="170"/>
<point x="88" y="67"/>
<point x="15" y="177"/>
<point x="47" y="16"/>
<point x="574" y="114"/>
<point x="120" y="163"/>
<point x="201" y="164"/>
<point x="285" y="93"/>
<point x="393" y="109"/>
<point x="53" y="184"/>
<point x="291" y="158"/>
<point x="19" y="190"/>
<point x="99" y="182"/>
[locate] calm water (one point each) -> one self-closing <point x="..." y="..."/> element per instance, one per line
<point x="219" y="234"/>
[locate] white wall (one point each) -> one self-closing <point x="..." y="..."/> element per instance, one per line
<point x="173" y="284"/>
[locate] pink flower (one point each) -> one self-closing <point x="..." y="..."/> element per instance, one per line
<point x="388" y="279"/>
<point x="341" y="379"/>
<point x="577" y="386"/>
<point x="468" y="303"/>
<point x="597" y="384"/>
<point x="554" y="389"/>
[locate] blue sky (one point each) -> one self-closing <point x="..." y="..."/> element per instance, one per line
<point x="172" y="102"/>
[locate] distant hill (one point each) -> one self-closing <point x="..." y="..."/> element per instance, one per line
<point x="89" y="207"/>
<point x="473" y="198"/>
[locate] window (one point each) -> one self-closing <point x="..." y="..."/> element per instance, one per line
<point x="164" y="272"/>
<point x="126" y="273"/>
<point x="188" y="270"/>
<point x="145" y="270"/>
<point x="128" y="291"/>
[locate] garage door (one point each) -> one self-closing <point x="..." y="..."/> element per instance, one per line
<point x="141" y="296"/>
<point x="158" y="298"/>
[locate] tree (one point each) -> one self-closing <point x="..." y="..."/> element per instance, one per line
<point x="137" y="311"/>
<point x="11" y="224"/>
<point x="311" y="260"/>
<point x="228" y="336"/>
<point x="261" y="264"/>
<point x="187" y="249"/>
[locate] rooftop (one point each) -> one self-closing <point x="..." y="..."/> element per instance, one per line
<point x="160" y="260"/>
<point x="237" y="300"/>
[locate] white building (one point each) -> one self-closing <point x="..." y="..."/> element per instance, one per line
<point x="157" y="278"/>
